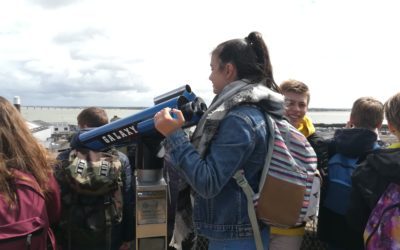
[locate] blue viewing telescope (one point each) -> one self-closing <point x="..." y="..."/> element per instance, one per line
<point x="129" y="129"/>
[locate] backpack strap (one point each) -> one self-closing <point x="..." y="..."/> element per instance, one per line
<point x="110" y="210"/>
<point x="108" y="220"/>
<point x="242" y="182"/>
<point x="271" y="136"/>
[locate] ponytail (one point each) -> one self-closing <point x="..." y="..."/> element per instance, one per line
<point x="251" y="58"/>
<point x="256" y="42"/>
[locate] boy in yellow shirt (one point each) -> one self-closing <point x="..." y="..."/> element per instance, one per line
<point x="297" y="98"/>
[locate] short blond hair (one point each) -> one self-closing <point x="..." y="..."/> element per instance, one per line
<point x="295" y="86"/>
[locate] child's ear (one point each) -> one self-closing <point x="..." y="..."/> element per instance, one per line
<point x="350" y="123"/>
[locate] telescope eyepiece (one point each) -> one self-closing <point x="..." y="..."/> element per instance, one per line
<point x="195" y="108"/>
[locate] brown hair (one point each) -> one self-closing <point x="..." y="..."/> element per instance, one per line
<point x="20" y="150"/>
<point x="367" y="112"/>
<point x="294" y="86"/>
<point x="92" y="117"/>
<point x="392" y="111"/>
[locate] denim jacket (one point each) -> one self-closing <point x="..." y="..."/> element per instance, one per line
<point x="220" y="206"/>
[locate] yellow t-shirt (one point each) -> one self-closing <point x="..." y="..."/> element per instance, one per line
<point x="306" y="127"/>
<point x="293" y="231"/>
<point x="395" y="145"/>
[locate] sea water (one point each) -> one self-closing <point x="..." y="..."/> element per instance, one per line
<point x="67" y="114"/>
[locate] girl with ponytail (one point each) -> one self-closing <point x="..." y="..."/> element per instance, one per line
<point x="231" y="136"/>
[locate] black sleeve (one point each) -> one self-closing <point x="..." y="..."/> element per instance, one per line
<point x="58" y="168"/>
<point x="357" y="216"/>
<point x="363" y="189"/>
<point x="321" y="148"/>
<point x="128" y="213"/>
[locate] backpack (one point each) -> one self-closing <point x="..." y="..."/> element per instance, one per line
<point x="25" y="226"/>
<point x="338" y="186"/>
<point x="383" y="226"/>
<point x="290" y="182"/>
<point x="92" y="200"/>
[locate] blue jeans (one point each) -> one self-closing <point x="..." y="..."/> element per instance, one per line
<point x="239" y="244"/>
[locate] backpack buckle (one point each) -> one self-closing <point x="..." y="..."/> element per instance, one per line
<point x="240" y="179"/>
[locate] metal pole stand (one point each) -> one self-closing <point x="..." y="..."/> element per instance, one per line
<point x="151" y="205"/>
<point x="151" y="216"/>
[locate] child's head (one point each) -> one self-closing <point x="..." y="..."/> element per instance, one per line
<point x="297" y="98"/>
<point x="392" y="113"/>
<point x="248" y="58"/>
<point x="92" y="117"/>
<point x="367" y="112"/>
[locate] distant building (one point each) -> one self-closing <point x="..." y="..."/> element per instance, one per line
<point x="61" y="128"/>
<point x="41" y="131"/>
<point x="54" y="136"/>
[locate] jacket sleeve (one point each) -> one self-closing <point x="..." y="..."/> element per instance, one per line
<point x="320" y="146"/>
<point x="128" y="213"/>
<point x="228" y="151"/>
<point x="58" y="172"/>
<point x="358" y="213"/>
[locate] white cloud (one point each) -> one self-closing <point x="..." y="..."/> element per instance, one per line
<point x="51" y="4"/>
<point x="124" y="53"/>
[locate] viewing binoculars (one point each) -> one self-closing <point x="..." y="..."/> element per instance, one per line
<point x="127" y="130"/>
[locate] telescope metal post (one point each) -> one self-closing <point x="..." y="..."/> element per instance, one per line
<point x="151" y="201"/>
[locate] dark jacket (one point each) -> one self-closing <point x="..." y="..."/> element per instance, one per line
<point x="370" y="180"/>
<point x="353" y="143"/>
<point x="122" y="232"/>
<point x="320" y="147"/>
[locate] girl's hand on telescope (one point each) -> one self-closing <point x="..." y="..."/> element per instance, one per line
<point x="165" y="123"/>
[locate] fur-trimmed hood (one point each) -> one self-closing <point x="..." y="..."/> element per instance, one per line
<point x="234" y="94"/>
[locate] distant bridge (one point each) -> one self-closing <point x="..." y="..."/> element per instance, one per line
<point x="77" y="107"/>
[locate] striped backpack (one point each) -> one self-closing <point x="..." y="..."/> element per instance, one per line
<point x="289" y="188"/>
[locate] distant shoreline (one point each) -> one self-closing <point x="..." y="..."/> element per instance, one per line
<point x="142" y="107"/>
<point x="328" y="110"/>
<point x="342" y="125"/>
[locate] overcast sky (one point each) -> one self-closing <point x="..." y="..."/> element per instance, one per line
<point x="125" y="52"/>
